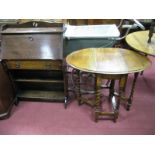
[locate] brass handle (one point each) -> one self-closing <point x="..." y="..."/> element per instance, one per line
<point x="17" y="65"/>
<point x="35" y="24"/>
<point x="48" y="66"/>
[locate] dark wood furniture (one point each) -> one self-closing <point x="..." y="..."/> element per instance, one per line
<point x="112" y="64"/>
<point x="7" y="95"/>
<point x="32" y="55"/>
<point x="151" y="30"/>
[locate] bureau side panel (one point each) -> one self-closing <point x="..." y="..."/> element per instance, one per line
<point x="6" y="94"/>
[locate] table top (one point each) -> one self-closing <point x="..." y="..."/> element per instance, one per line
<point x="108" y="61"/>
<point x="92" y="31"/>
<point x="139" y="41"/>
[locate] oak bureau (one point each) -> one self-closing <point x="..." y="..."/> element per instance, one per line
<point x="32" y="56"/>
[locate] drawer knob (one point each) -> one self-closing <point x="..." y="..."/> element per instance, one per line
<point x="31" y="38"/>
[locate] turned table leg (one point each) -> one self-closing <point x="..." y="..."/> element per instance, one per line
<point x="132" y="92"/>
<point x="122" y="85"/>
<point x="111" y="89"/>
<point x="78" y="89"/>
<point x="98" y="82"/>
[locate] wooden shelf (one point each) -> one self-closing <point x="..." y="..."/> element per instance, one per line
<point x="38" y="95"/>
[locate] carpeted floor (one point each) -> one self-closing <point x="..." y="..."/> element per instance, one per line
<point x="38" y="118"/>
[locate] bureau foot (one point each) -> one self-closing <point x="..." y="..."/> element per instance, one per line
<point x="16" y="102"/>
<point x="65" y="102"/>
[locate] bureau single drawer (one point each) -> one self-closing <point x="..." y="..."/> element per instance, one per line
<point x="35" y="64"/>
